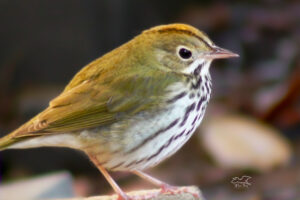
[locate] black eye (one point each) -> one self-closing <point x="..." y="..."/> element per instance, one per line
<point x="185" y="53"/>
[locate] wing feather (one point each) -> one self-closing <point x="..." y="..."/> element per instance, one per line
<point x="91" y="104"/>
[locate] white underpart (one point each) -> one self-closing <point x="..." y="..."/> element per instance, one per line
<point x="143" y="128"/>
<point x="193" y="66"/>
<point x="205" y="68"/>
<point x="60" y="140"/>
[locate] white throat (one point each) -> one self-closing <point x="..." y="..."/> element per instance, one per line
<point x="202" y="65"/>
<point x="205" y="68"/>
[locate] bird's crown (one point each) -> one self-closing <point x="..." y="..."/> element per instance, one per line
<point x="183" y="29"/>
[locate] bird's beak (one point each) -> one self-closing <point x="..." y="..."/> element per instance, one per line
<point x="218" y="53"/>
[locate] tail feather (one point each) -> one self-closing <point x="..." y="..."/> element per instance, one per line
<point x="14" y="137"/>
<point x="20" y="134"/>
<point x="10" y="139"/>
<point x="6" y="141"/>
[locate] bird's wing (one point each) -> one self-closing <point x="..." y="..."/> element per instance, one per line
<point x="91" y="104"/>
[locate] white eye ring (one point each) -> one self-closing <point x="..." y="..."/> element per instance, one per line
<point x="184" y="53"/>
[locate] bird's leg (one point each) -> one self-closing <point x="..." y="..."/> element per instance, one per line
<point x="165" y="188"/>
<point x="114" y="185"/>
<point x="152" y="180"/>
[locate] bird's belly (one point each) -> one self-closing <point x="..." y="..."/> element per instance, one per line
<point x="151" y="138"/>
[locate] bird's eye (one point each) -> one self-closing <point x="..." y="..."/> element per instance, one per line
<point x="184" y="53"/>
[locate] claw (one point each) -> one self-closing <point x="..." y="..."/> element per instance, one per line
<point x="146" y="196"/>
<point x="165" y="188"/>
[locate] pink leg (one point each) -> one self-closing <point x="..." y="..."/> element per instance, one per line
<point x="114" y="185"/>
<point x="152" y="180"/>
<point x="165" y="188"/>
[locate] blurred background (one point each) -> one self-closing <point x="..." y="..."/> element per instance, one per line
<point x="252" y="125"/>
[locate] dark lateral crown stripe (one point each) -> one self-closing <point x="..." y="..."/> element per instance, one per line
<point x="186" y="32"/>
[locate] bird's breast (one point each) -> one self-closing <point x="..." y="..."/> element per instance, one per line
<point x="151" y="137"/>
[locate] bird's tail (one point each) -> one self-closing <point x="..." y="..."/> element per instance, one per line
<point x="6" y="141"/>
<point x="12" y="138"/>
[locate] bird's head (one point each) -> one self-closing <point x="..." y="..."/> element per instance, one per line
<point x="181" y="48"/>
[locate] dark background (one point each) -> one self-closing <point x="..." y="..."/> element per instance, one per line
<point x="44" y="43"/>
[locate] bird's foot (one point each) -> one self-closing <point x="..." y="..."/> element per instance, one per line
<point x="165" y="189"/>
<point x="123" y="196"/>
<point x="169" y="189"/>
<point x="145" y="196"/>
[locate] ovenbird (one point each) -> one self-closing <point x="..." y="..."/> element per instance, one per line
<point x="133" y="107"/>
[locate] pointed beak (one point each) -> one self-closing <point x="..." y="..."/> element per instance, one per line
<point x="218" y="53"/>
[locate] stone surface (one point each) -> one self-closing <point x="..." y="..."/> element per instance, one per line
<point x="146" y="195"/>
<point x="57" y="185"/>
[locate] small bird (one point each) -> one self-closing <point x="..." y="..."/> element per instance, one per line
<point x="133" y="107"/>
